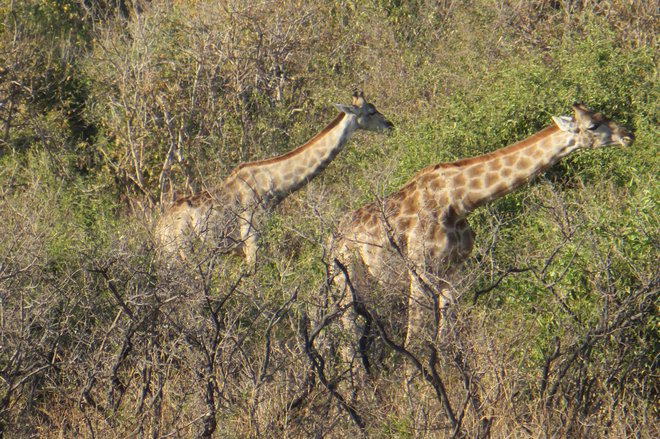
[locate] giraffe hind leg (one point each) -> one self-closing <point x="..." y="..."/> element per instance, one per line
<point x="356" y="320"/>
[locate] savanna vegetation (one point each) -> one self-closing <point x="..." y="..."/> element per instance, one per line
<point x="111" y="109"/>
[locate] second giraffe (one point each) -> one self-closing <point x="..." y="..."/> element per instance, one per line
<point x="410" y="242"/>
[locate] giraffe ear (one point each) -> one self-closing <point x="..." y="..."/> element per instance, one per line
<point x="585" y="117"/>
<point x="348" y="109"/>
<point x="358" y="99"/>
<point x="565" y="123"/>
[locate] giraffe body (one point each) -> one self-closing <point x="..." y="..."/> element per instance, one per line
<point x="229" y="217"/>
<point x="413" y="240"/>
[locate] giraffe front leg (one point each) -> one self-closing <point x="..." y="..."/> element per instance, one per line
<point x="430" y="316"/>
<point x="249" y="241"/>
<point x="250" y="250"/>
<point x="353" y="339"/>
<point x="430" y="306"/>
<point x="446" y="314"/>
<point x="425" y="310"/>
<point x="356" y="328"/>
<point x="418" y="301"/>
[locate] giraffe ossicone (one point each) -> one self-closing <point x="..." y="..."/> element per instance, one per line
<point x="410" y="242"/>
<point x="228" y="218"/>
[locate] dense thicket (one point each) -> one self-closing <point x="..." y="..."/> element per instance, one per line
<point x="109" y="109"/>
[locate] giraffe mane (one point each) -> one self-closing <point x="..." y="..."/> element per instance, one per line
<point x="545" y="132"/>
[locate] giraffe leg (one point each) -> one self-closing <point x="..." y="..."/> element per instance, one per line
<point x="249" y="238"/>
<point x="250" y="250"/>
<point x="353" y="339"/>
<point x="429" y="307"/>
<point x="356" y="328"/>
<point x="446" y="315"/>
<point x="430" y="315"/>
<point x="426" y="305"/>
<point x="418" y="309"/>
<point x="416" y="300"/>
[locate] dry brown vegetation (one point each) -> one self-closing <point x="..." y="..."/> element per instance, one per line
<point x="108" y="109"/>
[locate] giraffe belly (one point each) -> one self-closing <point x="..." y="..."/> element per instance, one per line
<point x="386" y="267"/>
<point x="223" y="230"/>
<point x="437" y="248"/>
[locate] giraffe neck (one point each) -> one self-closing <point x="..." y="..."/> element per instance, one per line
<point x="476" y="181"/>
<point x="271" y="180"/>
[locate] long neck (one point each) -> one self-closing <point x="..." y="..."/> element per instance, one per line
<point x="471" y="183"/>
<point x="274" y="179"/>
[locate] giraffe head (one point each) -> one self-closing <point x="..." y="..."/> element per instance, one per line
<point x="592" y="129"/>
<point x="366" y="115"/>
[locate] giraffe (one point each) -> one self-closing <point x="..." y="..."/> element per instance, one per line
<point x="229" y="217"/>
<point x="411" y="241"/>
